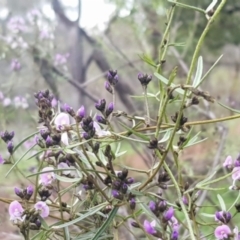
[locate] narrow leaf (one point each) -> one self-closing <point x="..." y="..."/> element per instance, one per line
<point x="221" y="202"/>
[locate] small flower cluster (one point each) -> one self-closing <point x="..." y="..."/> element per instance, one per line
<point x="112" y="80"/>
<point x="234" y="167"/>
<point x="28" y="218"/>
<point x="7" y="137"/>
<point x="101" y="106"/>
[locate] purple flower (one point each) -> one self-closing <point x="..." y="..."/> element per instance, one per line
<point x="2" y="161"/>
<point x="15" y="211"/>
<point x="149" y="227"/>
<point x="223" y="216"/>
<point x="49" y="141"/>
<point x="112" y="77"/>
<point x="152" y="206"/>
<point x="47" y="177"/>
<point x="168" y="214"/>
<point x="222" y="232"/>
<point x="99" y="132"/>
<point x="129" y="180"/>
<point x="15" y="65"/>
<point x="174" y="224"/>
<point x="116" y="194"/>
<point x="7" y="102"/>
<point x="43" y="209"/>
<point x="16" y="24"/>
<point x="236" y="233"/>
<point x="61" y="59"/>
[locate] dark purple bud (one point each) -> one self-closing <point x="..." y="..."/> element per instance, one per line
<point x="152" y="205"/>
<point x="108" y="87"/>
<point x="109" y="110"/>
<point x="38" y="223"/>
<point x="223" y="216"/>
<point x="10" y="147"/>
<point x="168" y="214"/>
<point x="124" y="188"/>
<point x="100" y="119"/>
<point x="116" y="184"/>
<point x="44" y="194"/>
<point x="162" y="206"/>
<point x="144" y="79"/>
<point x="174" y="235"/>
<point x="86" y="136"/>
<point x="6" y="136"/>
<point x="29" y="192"/>
<point x="129" y="180"/>
<point x="49" y="141"/>
<point x="80" y="113"/>
<point x="69" y="110"/>
<point x="100" y="105"/>
<point x="112" y="77"/>
<point x="116" y="194"/>
<point x="132" y="203"/>
<point x="18" y="192"/>
<point x="135" y="224"/>
<point x="44" y="133"/>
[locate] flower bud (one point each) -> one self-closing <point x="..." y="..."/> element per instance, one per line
<point x="108" y="87"/>
<point x="109" y="110"/>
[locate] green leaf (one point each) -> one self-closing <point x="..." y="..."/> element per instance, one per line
<point x="221" y="202"/>
<point x="142" y="136"/>
<point x="106" y="223"/>
<point x="66" y="179"/>
<point x="89" y="213"/>
<point x="206" y="179"/>
<point x="199" y="72"/>
<point x="24" y="140"/>
<point x="228" y="108"/>
<point x="67" y="234"/>
<point x="166" y="81"/>
<point x="208" y="215"/>
<point x="188" y="6"/>
<point x="210" y="69"/>
<point x="166" y="136"/>
<point x="147" y="60"/>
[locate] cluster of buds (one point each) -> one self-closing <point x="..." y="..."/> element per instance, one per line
<point x="25" y="193"/>
<point x="43" y="100"/>
<point x="183" y="119"/>
<point x="101" y="106"/>
<point x="88" y="127"/>
<point x="163" y="178"/>
<point x="144" y="79"/>
<point x="158" y="207"/>
<point x="7" y="137"/>
<point x="78" y="116"/>
<point x="120" y="184"/>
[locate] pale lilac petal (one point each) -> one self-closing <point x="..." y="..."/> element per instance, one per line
<point x="236" y="173"/>
<point x="222" y="232"/>
<point x="64" y="165"/>
<point x="43" y="209"/>
<point x="15" y="211"/>
<point x="46" y="178"/>
<point x="149" y="228"/>
<point x="61" y="120"/>
<point x="64" y="138"/>
<point x="228" y="162"/>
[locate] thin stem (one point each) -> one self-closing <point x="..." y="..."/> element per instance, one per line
<point x="147" y="105"/>
<point x="184" y="210"/>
